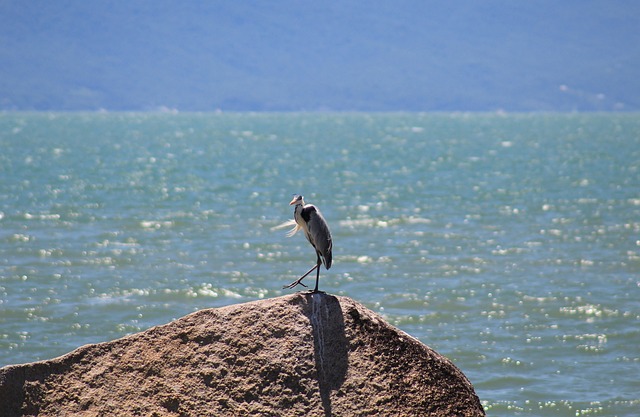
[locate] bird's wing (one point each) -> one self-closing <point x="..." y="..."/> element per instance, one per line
<point x="288" y="223"/>
<point x="318" y="230"/>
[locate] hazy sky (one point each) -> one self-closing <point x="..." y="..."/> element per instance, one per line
<point x="339" y="55"/>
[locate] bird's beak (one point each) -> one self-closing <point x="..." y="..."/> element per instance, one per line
<point x="293" y="201"/>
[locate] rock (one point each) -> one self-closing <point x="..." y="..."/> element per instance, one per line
<point x="301" y="354"/>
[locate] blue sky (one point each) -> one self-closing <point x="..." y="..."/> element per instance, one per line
<point x="304" y="56"/>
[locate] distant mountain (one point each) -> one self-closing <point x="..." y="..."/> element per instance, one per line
<point x="288" y="55"/>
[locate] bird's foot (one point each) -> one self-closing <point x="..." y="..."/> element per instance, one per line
<point x="294" y="284"/>
<point x="299" y="280"/>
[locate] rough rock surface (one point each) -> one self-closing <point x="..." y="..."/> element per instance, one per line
<point x="301" y="354"/>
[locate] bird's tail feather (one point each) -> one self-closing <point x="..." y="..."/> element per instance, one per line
<point x="327" y="259"/>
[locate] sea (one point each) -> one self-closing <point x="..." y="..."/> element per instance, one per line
<point x="510" y="243"/>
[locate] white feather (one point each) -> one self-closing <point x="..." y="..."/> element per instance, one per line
<point x="288" y="223"/>
<point x="294" y="230"/>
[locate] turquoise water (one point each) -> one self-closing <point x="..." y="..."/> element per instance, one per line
<point x="509" y="243"/>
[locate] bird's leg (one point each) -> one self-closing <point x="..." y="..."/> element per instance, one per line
<point x="318" y="263"/>
<point x="299" y="280"/>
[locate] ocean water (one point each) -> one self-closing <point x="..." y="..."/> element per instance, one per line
<point x="508" y="243"/>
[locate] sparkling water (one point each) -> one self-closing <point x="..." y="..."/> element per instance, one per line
<point x="508" y="243"/>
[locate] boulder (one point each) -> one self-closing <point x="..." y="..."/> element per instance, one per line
<point x="301" y="354"/>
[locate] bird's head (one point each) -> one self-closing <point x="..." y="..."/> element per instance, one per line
<point x="297" y="199"/>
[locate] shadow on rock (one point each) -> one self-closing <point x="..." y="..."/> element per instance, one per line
<point x="331" y="348"/>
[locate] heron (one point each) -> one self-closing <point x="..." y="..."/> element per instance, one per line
<point x="308" y="218"/>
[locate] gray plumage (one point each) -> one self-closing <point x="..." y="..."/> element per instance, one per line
<point x="308" y="218"/>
